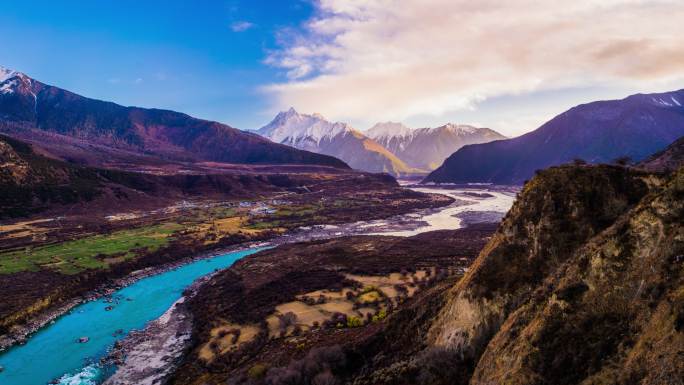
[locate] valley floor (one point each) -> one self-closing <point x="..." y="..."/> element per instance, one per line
<point x="289" y="218"/>
<point x="46" y="262"/>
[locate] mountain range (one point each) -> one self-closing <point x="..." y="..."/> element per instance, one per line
<point x="386" y="147"/>
<point x="426" y="148"/>
<point x="598" y="132"/>
<point x="95" y="132"/>
<point x="86" y="131"/>
<point x="315" y="133"/>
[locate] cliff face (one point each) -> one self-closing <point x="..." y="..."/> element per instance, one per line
<point x="582" y="283"/>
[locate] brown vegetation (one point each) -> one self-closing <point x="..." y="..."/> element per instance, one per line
<point x="279" y="288"/>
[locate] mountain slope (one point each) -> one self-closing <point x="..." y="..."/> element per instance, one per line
<point x="583" y="283"/>
<point x="426" y="148"/>
<point x="636" y="126"/>
<point x="29" y="108"/>
<point x="315" y="133"/>
<point x="32" y="183"/>
<point x="669" y="159"/>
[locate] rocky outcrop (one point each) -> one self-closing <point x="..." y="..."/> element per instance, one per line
<point x="582" y="283"/>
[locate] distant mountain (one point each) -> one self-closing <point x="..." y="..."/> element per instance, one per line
<point x="315" y="133"/>
<point x="597" y="132"/>
<point x="426" y="148"/>
<point x="669" y="159"/>
<point x="68" y="124"/>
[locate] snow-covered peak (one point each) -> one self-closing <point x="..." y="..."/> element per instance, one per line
<point x="457" y="128"/>
<point x="388" y="130"/>
<point x="6" y="73"/>
<point x="290" y="127"/>
<point x="10" y="79"/>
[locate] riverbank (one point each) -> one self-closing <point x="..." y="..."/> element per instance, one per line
<point x="46" y="263"/>
<point x="148" y="355"/>
<point x="145" y="357"/>
<point x="100" y="287"/>
<point x="20" y="333"/>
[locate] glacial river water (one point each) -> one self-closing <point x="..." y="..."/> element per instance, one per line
<point x="54" y="352"/>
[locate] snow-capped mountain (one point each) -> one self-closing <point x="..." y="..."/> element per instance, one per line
<point x="387" y="130"/>
<point x="302" y="130"/>
<point x="17" y="94"/>
<point x="6" y="73"/>
<point x="315" y="133"/>
<point x="11" y="80"/>
<point x="426" y="148"/>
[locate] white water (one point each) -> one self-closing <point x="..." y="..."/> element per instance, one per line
<point x="445" y="218"/>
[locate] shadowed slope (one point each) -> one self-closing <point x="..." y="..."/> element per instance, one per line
<point x="597" y="132"/>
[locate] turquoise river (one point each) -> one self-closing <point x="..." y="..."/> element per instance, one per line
<point x="54" y="353"/>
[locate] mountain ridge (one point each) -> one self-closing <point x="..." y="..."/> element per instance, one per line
<point x="29" y="105"/>
<point x="428" y="147"/>
<point x="600" y="131"/>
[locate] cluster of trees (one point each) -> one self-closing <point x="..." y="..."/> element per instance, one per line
<point x="235" y="336"/>
<point x="320" y="366"/>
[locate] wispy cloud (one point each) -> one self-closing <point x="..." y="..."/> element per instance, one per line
<point x="241" y="26"/>
<point x="378" y="60"/>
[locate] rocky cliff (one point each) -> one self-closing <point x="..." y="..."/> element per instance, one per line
<point x="582" y="283"/>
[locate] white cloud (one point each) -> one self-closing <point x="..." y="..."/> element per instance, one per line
<point x="241" y="26"/>
<point x="379" y="60"/>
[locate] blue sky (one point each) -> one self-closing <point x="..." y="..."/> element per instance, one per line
<point x="510" y="65"/>
<point x="165" y="54"/>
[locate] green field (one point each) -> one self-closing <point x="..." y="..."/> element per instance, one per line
<point x="72" y="257"/>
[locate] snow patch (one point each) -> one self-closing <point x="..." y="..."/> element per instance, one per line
<point x="10" y="79"/>
<point x="389" y="130"/>
<point x="8" y="87"/>
<point x="6" y="73"/>
<point x="663" y="102"/>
